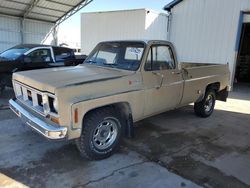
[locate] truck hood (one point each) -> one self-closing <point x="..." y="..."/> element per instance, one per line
<point x="50" y="79"/>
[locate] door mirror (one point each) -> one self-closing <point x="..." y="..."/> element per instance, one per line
<point x="27" y="59"/>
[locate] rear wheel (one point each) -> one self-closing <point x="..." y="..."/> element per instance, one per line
<point x="101" y="134"/>
<point x="205" y="107"/>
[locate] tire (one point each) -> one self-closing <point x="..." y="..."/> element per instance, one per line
<point x="101" y="134"/>
<point x="205" y="107"/>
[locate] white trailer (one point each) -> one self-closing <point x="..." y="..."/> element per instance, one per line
<point x="121" y="25"/>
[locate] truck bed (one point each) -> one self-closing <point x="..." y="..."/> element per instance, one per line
<point x="203" y="70"/>
<point x="198" y="75"/>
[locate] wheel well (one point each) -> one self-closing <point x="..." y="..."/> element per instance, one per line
<point x="215" y="86"/>
<point x="125" y="113"/>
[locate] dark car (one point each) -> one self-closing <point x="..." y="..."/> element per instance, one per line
<point x="33" y="56"/>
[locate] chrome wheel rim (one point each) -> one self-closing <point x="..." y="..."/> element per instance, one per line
<point x="209" y="103"/>
<point x="105" y="134"/>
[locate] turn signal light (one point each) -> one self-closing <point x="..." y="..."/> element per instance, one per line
<point x="76" y="115"/>
<point x="53" y="119"/>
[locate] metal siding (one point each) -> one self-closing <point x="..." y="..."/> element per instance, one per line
<point x="241" y="19"/>
<point x="120" y="25"/>
<point x="156" y="26"/>
<point x="10" y="32"/>
<point x="35" y="31"/>
<point x="53" y="10"/>
<point x="206" y="31"/>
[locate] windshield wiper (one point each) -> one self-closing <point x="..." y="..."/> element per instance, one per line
<point x="91" y="62"/>
<point x="110" y="65"/>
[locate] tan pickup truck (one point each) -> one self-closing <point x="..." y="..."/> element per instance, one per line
<point x="121" y="82"/>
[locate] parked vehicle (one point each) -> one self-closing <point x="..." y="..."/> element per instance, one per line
<point x="33" y="56"/>
<point x="120" y="83"/>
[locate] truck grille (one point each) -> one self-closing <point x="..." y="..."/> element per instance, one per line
<point x="31" y="98"/>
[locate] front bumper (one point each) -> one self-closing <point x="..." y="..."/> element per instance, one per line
<point x="47" y="130"/>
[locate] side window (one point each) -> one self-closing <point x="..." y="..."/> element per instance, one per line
<point x="62" y="53"/>
<point x="160" y="58"/>
<point x="41" y="55"/>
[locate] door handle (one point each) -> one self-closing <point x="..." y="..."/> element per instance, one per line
<point x="176" y="72"/>
<point x="156" y="73"/>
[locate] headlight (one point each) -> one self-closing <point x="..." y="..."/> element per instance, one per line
<point x="55" y="104"/>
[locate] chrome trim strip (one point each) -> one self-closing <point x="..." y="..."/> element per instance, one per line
<point x="31" y="107"/>
<point x="25" y="93"/>
<point x="201" y="78"/>
<point x="47" y="130"/>
<point x="174" y="83"/>
<point x="34" y="99"/>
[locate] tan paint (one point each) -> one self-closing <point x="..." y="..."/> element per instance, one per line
<point x="7" y="182"/>
<point x="87" y="87"/>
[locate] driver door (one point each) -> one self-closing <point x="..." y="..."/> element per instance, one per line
<point x="40" y="58"/>
<point x="163" y="81"/>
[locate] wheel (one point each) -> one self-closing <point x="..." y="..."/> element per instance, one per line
<point x="205" y="107"/>
<point x="101" y="134"/>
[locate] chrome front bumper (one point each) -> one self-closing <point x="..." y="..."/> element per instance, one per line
<point x="47" y="130"/>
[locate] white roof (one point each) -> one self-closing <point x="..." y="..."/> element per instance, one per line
<point x="44" y="10"/>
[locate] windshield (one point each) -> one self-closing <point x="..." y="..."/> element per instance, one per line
<point x="120" y="55"/>
<point x="13" y="53"/>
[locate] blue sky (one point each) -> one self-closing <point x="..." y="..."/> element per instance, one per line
<point x="72" y="25"/>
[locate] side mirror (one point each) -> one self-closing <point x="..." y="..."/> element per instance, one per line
<point x="27" y="59"/>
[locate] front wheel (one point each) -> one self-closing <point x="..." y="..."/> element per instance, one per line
<point x="205" y="107"/>
<point x="101" y="134"/>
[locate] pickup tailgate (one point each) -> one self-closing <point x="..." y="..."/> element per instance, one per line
<point x="198" y="76"/>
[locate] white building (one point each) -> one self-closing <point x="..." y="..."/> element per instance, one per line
<point x="121" y="25"/>
<point x="213" y="31"/>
